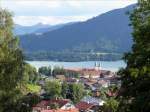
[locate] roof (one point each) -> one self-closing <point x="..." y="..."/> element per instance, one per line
<point x="93" y="100"/>
<point x="85" y="71"/>
<point x="60" y="102"/>
<point x="71" y="80"/>
<point x="102" y="82"/>
<point x="73" y="69"/>
<point x="90" y="72"/>
<point x="61" y="110"/>
<point x="45" y="103"/>
<point x="84" y="105"/>
<point x="42" y="104"/>
<point x="61" y="77"/>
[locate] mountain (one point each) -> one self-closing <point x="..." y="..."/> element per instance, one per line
<point x="51" y="28"/>
<point x="21" y="30"/>
<point x="37" y="29"/>
<point x="108" y="32"/>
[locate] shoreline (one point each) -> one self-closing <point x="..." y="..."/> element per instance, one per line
<point x="105" y="65"/>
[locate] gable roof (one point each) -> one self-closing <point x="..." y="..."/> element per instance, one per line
<point x="84" y="105"/>
<point x="93" y="100"/>
<point x="45" y="103"/>
<point x="42" y="104"/>
<point x="60" y="102"/>
<point x="61" y="110"/>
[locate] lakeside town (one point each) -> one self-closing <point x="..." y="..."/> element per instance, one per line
<point x="91" y="85"/>
<point x="122" y="27"/>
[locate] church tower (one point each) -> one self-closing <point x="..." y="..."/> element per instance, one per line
<point x="97" y="66"/>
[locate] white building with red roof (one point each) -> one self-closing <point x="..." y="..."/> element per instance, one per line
<point x="64" y="105"/>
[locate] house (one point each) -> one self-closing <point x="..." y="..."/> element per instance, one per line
<point x="103" y="83"/>
<point x="107" y="74"/>
<point x="60" y="77"/>
<point x="93" y="100"/>
<point x="61" y="105"/>
<point x="84" y="106"/>
<point x="60" y="110"/>
<point x="71" y="80"/>
<point x="90" y="73"/>
<point x="87" y="72"/>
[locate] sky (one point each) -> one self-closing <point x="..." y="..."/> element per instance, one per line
<point x="30" y="12"/>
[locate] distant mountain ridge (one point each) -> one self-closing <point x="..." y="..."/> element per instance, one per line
<point x="37" y="28"/>
<point x="21" y="30"/>
<point x="108" y="32"/>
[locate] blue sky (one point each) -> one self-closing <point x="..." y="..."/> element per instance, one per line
<point x="29" y="12"/>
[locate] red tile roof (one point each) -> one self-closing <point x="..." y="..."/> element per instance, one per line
<point x="61" y="110"/>
<point x="45" y="103"/>
<point x="86" y="71"/>
<point x="60" y="102"/>
<point x="83" y="105"/>
<point x="90" y="72"/>
<point x="42" y="104"/>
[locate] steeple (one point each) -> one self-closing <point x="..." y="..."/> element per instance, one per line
<point x="97" y="66"/>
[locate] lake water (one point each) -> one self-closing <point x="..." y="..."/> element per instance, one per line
<point x="105" y="65"/>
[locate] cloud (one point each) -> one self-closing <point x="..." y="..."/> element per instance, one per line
<point x="56" y="11"/>
<point x="63" y="7"/>
<point x="52" y="20"/>
<point x="31" y="3"/>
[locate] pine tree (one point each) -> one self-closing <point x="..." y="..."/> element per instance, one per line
<point x="135" y="95"/>
<point x="11" y="62"/>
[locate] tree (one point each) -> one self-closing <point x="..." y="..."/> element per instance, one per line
<point x="103" y="93"/>
<point x="135" y="90"/>
<point x="65" y="89"/>
<point x="30" y="74"/>
<point x="58" y="71"/>
<point x="76" y="92"/>
<point x="45" y="70"/>
<point x="53" y="89"/>
<point x="26" y="103"/>
<point x="111" y="105"/>
<point x="11" y="63"/>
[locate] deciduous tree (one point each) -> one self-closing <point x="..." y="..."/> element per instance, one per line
<point x="11" y="63"/>
<point x="135" y="95"/>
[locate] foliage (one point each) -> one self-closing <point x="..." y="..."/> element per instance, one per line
<point x="76" y="92"/>
<point x="111" y="105"/>
<point x="71" y="74"/>
<point x="45" y="70"/>
<point x="58" y="71"/>
<point x="135" y="94"/>
<point x="26" y="103"/>
<point x="65" y="89"/>
<point x="14" y="72"/>
<point x="53" y="88"/>
<point x="30" y="75"/>
<point x="103" y="92"/>
<point x="33" y="88"/>
<point x="11" y="64"/>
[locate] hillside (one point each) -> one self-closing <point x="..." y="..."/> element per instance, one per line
<point x="108" y="32"/>
<point x="21" y="30"/>
<point x="37" y="28"/>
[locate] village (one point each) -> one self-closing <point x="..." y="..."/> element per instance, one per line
<point x="98" y="84"/>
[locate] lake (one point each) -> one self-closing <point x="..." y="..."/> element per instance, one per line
<point x="105" y="65"/>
